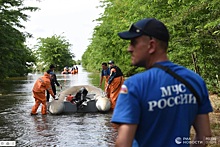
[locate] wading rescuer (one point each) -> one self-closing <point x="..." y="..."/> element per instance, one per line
<point x="41" y="85"/>
<point x="115" y="82"/>
<point x="105" y="73"/>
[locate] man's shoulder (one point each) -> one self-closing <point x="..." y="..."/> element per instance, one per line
<point x="149" y="74"/>
<point x="138" y="76"/>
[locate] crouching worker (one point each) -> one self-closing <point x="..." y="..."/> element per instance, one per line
<point x="41" y="85"/>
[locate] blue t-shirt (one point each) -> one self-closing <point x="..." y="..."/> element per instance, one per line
<point x="105" y="72"/>
<point x="162" y="107"/>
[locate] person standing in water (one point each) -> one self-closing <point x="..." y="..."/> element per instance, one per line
<point x="105" y="73"/>
<point x="41" y="85"/>
<point x="54" y="82"/>
<point x="115" y="82"/>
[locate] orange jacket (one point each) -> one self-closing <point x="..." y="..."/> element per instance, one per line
<point x="42" y="84"/>
<point x="69" y="98"/>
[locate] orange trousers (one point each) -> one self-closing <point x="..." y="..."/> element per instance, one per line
<point x="114" y="90"/>
<point x="37" y="104"/>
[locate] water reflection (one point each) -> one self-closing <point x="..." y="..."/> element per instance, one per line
<point x="40" y="123"/>
<point x="79" y="129"/>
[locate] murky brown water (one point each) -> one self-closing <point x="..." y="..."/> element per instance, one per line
<point x="74" y="130"/>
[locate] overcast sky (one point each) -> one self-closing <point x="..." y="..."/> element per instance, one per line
<point x="70" y="18"/>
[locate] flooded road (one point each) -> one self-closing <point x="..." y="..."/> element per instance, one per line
<point x="74" y="130"/>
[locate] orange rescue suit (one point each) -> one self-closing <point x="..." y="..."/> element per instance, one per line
<point x="115" y="82"/>
<point x="41" y="85"/>
<point x="69" y="98"/>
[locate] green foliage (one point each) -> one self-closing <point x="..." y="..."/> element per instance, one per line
<point x="194" y="29"/>
<point x="78" y="62"/>
<point x="15" y="56"/>
<point x="53" y="50"/>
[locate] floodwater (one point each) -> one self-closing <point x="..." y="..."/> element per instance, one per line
<point x="69" y="130"/>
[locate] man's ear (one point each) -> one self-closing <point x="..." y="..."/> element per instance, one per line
<point x="151" y="47"/>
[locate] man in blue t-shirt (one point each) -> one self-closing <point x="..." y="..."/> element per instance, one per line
<point x="153" y="108"/>
<point x="105" y="73"/>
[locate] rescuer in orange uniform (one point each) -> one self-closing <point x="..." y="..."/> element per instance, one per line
<point x="115" y="82"/>
<point x="41" y="85"/>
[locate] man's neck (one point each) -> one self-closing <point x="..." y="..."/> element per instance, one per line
<point x="161" y="58"/>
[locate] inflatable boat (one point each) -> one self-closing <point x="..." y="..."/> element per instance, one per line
<point x="82" y="99"/>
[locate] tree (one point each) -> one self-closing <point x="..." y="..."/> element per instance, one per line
<point x="14" y="54"/>
<point x="194" y="30"/>
<point x="53" y="50"/>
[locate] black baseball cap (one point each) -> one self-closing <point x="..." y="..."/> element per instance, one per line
<point x="148" y="26"/>
<point x="111" y="62"/>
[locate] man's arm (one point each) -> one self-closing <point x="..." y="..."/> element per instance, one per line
<point x="101" y="79"/>
<point x="111" y="76"/>
<point x="126" y="134"/>
<point x="202" y="129"/>
<point x="49" y="88"/>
